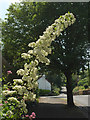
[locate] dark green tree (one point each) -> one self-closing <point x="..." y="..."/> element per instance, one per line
<point x="69" y="50"/>
<point x="55" y="78"/>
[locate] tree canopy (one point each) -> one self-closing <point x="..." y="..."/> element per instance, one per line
<point x="27" y="20"/>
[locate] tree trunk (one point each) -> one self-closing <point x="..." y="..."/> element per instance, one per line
<point x="70" y="102"/>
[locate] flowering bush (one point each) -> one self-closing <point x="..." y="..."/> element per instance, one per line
<point x="24" y="88"/>
<point x="32" y="116"/>
<point x="9" y="72"/>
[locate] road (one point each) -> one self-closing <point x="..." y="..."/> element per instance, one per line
<point x="79" y="100"/>
<point x="56" y="107"/>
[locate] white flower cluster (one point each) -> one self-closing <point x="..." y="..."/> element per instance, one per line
<point x="32" y="44"/>
<point x="30" y="96"/>
<point x="40" y="50"/>
<point x="20" y="89"/>
<point x="23" y="106"/>
<point x="18" y="81"/>
<point x="13" y="99"/>
<point x="25" y="55"/>
<point x="9" y="113"/>
<point x="8" y="93"/>
<point x="20" y="72"/>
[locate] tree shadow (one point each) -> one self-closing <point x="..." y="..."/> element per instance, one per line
<point x="56" y="111"/>
<point x="86" y="110"/>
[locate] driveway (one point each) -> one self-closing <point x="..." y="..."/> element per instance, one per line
<point x="82" y="99"/>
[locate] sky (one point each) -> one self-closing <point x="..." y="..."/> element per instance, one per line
<point x="4" y="5"/>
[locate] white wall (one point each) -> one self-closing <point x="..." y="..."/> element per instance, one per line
<point x="44" y="84"/>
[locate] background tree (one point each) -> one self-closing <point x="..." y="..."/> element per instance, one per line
<point x="69" y="53"/>
<point x="21" y="27"/>
<point x="55" y="78"/>
<point x="26" y="21"/>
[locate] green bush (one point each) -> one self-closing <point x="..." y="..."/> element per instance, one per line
<point x="86" y="85"/>
<point x="76" y="89"/>
<point x="55" y="90"/>
<point x="81" y="88"/>
<point x="37" y="93"/>
<point x="44" y="92"/>
<point x="82" y="82"/>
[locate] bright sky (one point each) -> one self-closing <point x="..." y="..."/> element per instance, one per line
<point x="4" y="5"/>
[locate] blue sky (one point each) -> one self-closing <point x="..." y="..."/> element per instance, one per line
<point x="4" y="5"/>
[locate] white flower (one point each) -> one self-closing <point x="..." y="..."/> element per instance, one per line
<point x="23" y="106"/>
<point x="66" y="24"/>
<point x="20" y="89"/>
<point x="16" y="81"/>
<point x="20" y="72"/>
<point x="32" y="44"/>
<point x="30" y="51"/>
<point x="9" y="113"/>
<point x="13" y="99"/>
<point x="10" y="93"/>
<point x="72" y="15"/>
<point x="69" y="23"/>
<point x="73" y="20"/>
<point x="36" y="62"/>
<point x="17" y="87"/>
<point x="25" y="55"/>
<point x="56" y="21"/>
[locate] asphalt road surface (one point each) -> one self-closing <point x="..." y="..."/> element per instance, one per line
<point x="56" y="107"/>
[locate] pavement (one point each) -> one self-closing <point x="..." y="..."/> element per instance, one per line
<point x="56" y="107"/>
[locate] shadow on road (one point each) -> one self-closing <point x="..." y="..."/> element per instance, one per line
<point x="56" y="111"/>
<point x="86" y="111"/>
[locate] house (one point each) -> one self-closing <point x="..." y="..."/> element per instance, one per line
<point x="43" y="83"/>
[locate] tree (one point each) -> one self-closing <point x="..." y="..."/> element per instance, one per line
<point x="69" y="53"/>
<point x="19" y="28"/>
<point x="55" y="78"/>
